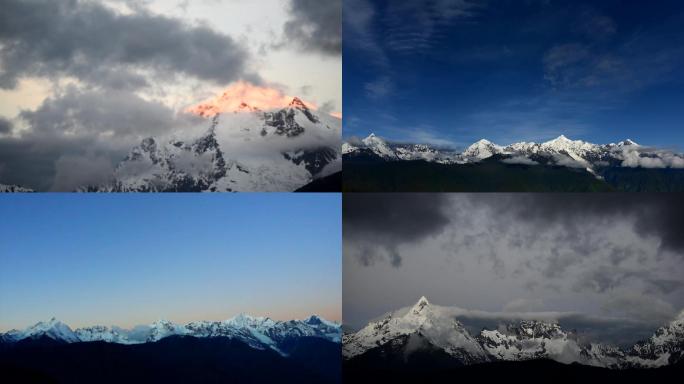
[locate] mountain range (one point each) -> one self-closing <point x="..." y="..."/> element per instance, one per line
<point x="241" y="349"/>
<point x="373" y="163"/>
<point x="257" y="332"/>
<point x="433" y="330"/>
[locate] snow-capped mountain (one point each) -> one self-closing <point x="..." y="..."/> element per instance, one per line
<point x="666" y="346"/>
<point x="53" y="329"/>
<point x="421" y="320"/>
<point x="244" y="150"/>
<point x="532" y="339"/>
<point x="258" y="332"/>
<point x="560" y="151"/>
<point x="518" y="341"/>
<point x="5" y="188"/>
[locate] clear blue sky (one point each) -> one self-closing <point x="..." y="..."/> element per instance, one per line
<point x="450" y="72"/>
<point x="126" y="259"/>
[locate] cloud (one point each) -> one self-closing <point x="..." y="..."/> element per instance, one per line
<point x="631" y="64"/>
<point x="595" y="25"/>
<point x="79" y="126"/>
<point x="315" y="25"/>
<point x="378" y="223"/>
<point x="652" y="214"/>
<point x="519" y="160"/>
<point x="379" y="88"/>
<point x="358" y="31"/>
<point x="91" y="170"/>
<point x="98" y="114"/>
<point x="5" y="125"/>
<point x="522" y="305"/>
<point x="427" y="20"/>
<point x="640" y="307"/>
<point x="519" y="252"/>
<point x="641" y="157"/>
<point x="95" y="44"/>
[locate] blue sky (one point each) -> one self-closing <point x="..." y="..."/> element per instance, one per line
<point x="132" y="259"/>
<point x="452" y="72"/>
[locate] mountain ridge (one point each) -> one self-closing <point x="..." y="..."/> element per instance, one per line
<point x="559" y="151"/>
<point x="257" y="332"/>
<point x="516" y="341"/>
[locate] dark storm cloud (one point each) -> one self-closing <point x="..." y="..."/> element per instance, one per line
<point x="93" y="43"/>
<point x="615" y="255"/>
<point x="75" y="138"/>
<point x="381" y="222"/>
<point x="98" y="113"/>
<point x="5" y="125"/>
<point x="316" y="25"/>
<point x="660" y="215"/>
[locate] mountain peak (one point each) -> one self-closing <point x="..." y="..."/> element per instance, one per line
<point x="481" y="149"/>
<point x="627" y="142"/>
<point x="298" y="103"/>
<point x="162" y="322"/>
<point x="53" y="328"/>
<point x="420" y="305"/>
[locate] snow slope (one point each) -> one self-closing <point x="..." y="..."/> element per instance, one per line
<point x="244" y="150"/>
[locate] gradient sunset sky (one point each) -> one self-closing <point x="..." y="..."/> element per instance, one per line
<point x="133" y="259"/>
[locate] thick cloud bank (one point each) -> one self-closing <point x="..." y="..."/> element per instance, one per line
<point x="615" y="255"/>
<point x="93" y="43"/>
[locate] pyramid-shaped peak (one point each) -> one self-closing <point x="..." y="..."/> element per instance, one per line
<point x="313" y="319"/>
<point x="373" y="138"/>
<point x="483" y="142"/>
<point x="420" y="305"/>
<point x="628" y="142"/>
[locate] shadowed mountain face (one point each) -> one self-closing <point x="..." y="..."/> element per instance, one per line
<point x="374" y="164"/>
<point x="175" y="359"/>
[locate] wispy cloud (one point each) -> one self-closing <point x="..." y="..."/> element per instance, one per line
<point x="379" y="88"/>
<point x="414" y="26"/>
